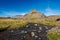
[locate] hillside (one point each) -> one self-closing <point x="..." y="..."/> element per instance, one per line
<point x="54" y="17"/>
<point x="34" y="14"/>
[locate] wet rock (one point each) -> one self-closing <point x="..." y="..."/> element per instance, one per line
<point x="32" y="31"/>
<point x="57" y="29"/>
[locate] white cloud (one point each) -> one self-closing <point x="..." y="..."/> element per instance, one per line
<point x="50" y="11"/>
<point x="12" y="13"/>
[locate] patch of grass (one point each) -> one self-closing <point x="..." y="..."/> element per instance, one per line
<point x="53" y="35"/>
<point x="17" y="23"/>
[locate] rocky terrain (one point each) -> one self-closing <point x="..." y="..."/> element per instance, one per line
<point x="32" y="31"/>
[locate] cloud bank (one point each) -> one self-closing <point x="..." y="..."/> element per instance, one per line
<point x="49" y="11"/>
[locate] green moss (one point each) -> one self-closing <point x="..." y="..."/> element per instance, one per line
<point x="54" y="36"/>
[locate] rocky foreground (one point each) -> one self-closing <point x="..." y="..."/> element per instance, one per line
<point x="32" y="31"/>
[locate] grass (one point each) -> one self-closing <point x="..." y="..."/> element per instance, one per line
<point x="18" y="23"/>
<point x="53" y="35"/>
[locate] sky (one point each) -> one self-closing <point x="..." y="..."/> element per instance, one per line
<point x="21" y="7"/>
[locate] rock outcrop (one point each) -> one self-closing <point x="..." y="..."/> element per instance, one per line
<point x="32" y="31"/>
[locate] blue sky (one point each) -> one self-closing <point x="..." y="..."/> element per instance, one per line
<point x="21" y="7"/>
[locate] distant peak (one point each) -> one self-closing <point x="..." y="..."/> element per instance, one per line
<point x="34" y="14"/>
<point x="33" y="11"/>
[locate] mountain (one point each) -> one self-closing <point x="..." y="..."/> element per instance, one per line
<point x="5" y="17"/>
<point x="18" y="16"/>
<point x="34" y="14"/>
